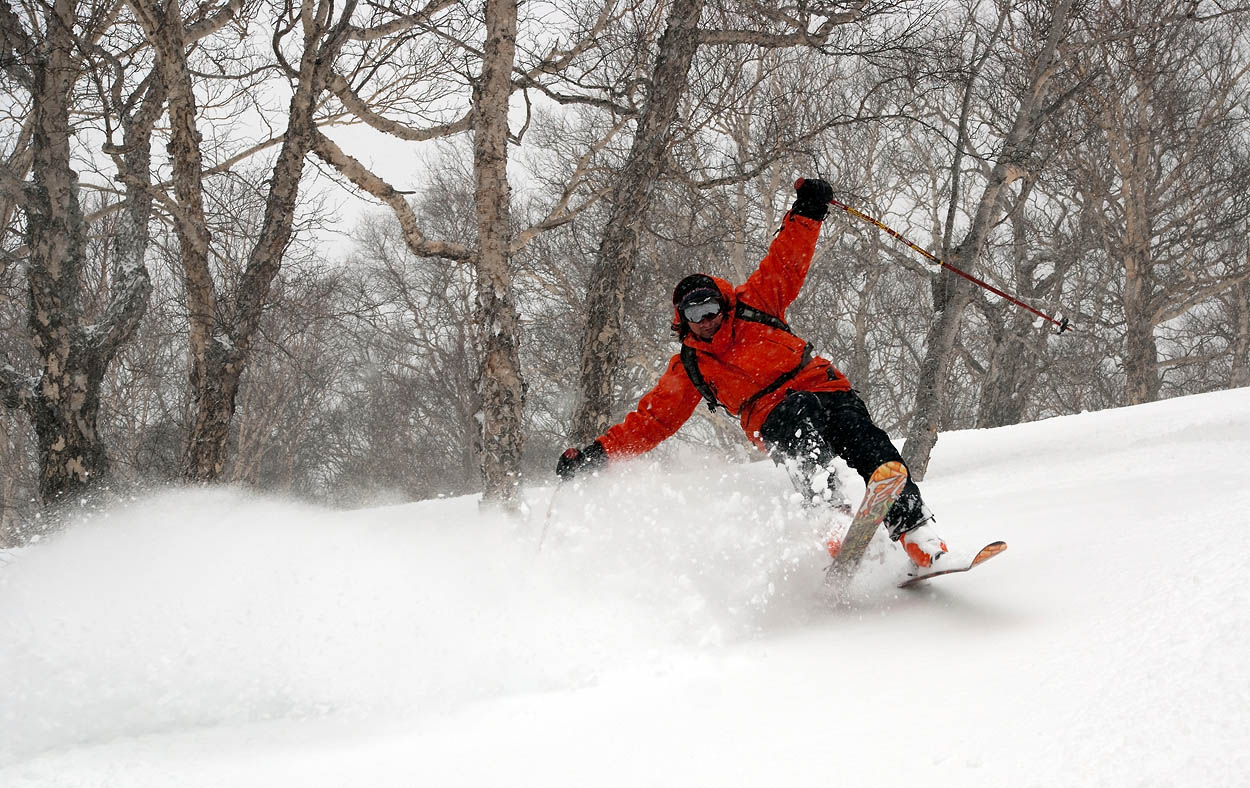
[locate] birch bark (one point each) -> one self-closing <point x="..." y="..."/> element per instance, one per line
<point x="222" y="329"/>
<point x="63" y="400"/>
<point x="502" y="387"/>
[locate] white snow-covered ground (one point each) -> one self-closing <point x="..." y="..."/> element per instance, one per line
<point x="671" y="631"/>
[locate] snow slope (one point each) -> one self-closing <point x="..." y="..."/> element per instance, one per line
<point x="671" y="631"/>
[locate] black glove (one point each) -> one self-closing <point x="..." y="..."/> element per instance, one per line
<point x="813" y="198"/>
<point x="575" y="461"/>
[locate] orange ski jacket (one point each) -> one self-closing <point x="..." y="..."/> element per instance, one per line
<point x="742" y="358"/>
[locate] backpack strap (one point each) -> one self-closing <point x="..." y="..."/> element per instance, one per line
<point x="752" y="315"/>
<point x="781" y="380"/>
<point x="690" y="360"/>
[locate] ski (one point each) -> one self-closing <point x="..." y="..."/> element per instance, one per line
<point x="984" y="554"/>
<point x="884" y="487"/>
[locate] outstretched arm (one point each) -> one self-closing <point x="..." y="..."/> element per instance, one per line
<point x="659" y="414"/>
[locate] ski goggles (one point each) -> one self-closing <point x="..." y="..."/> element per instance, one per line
<point x="697" y="313"/>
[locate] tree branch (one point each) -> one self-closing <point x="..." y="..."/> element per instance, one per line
<point x="10" y="184"/>
<point x="14" y="44"/>
<point x="399" y="24"/>
<point x="214" y="22"/>
<point x="559" y="213"/>
<point x="1177" y="308"/>
<point x="781" y="40"/>
<point x="344" y="93"/>
<point x="360" y="175"/>
<point x="16" y="390"/>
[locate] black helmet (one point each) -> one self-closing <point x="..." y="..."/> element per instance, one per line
<point x="693" y="289"/>
<point x="696" y="289"/>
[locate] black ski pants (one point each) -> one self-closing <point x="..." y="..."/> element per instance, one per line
<point x="812" y="427"/>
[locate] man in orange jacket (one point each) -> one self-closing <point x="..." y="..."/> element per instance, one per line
<point x="738" y="353"/>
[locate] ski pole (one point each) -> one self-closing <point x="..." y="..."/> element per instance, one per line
<point x="551" y="507"/>
<point x="1063" y="324"/>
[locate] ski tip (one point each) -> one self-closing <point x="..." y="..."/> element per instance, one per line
<point x="989" y="551"/>
<point x="984" y="554"/>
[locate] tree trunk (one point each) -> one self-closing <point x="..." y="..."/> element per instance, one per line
<point x="221" y="349"/>
<point x="933" y="376"/>
<point x="215" y="376"/>
<point x="15" y="482"/>
<point x="1240" y="373"/>
<point x="1008" y="375"/>
<point x="618" y="251"/>
<point x="502" y="388"/>
<point x="1141" y="351"/>
<point x="221" y="334"/>
<point x="64" y="405"/>
<point x="1014" y="344"/>
<point x="164" y="28"/>
<point x="1130" y="153"/>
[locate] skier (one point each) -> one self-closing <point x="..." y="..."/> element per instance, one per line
<point x="738" y="353"/>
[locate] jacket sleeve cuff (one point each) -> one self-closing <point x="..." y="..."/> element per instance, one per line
<point x="804" y="221"/>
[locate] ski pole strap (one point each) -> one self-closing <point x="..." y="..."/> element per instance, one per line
<point x="1063" y="325"/>
<point x="749" y="313"/>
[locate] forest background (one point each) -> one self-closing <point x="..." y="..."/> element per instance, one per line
<point x="187" y="297"/>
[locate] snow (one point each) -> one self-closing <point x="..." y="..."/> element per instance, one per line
<point x="670" y="632"/>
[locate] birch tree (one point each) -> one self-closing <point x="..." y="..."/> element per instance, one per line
<point x="222" y="329"/>
<point x="498" y="76"/>
<point x="46" y="54"/>
<point x="503" y="391"/>
<point x="1009" y="352"/>
<point x="1039" y="98"/>
<point x="1166" y="186"/>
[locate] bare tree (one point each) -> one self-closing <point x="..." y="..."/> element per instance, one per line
<point x="1044" y="247"/>
<point x="1239" y="344"/>
<point x="222" y="333"/>
<point x="498" y="77"/>
<point x="406" y="421"/>
<point x="299" y="357"/>
<point x="1038" y="99"/>
<point x="1167" y="184"/>
<point x="46" y="54"/>
<point x="503" y="391"/>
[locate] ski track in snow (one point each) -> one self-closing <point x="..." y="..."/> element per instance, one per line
<point x="672" y="630"/>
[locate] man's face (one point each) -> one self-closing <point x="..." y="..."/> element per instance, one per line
<point x="707" y="327"/>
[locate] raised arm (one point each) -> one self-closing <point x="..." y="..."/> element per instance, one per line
<point x="776" y="282"/>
